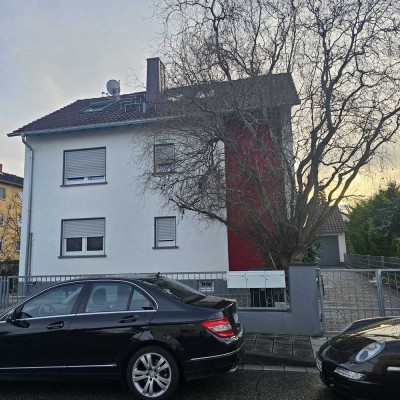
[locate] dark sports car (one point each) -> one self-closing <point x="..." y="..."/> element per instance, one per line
<point x="363" y="362"/>
<point x="152" y="332"/>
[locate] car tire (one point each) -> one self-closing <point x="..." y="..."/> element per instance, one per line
<point x="152" y="372"/>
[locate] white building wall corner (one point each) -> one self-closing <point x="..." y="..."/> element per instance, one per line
<point x="129" y="218"/>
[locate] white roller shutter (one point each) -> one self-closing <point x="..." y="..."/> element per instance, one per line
<point x="85" y="163"/>
<point x="83" y="228"/>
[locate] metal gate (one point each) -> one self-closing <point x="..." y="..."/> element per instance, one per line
<point x="347" y="295"/>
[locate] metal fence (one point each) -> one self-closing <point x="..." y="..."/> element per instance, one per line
<point x="347" y="295"/>
<point x="15" y="288"/>
<point x="370" y="262"/>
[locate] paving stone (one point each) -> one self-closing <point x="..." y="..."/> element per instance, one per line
<point x="300" y="338"/>
<point x="313" y="370"/>
<point x="295" y="369"/>
<point x="264" y="342"/>
<point x="262" y="336"/>
<point x="302" y="345"/>
<point x="263" y="349"/>
<point x="282" y="349"/>
<point x="274" y="368"/>
<point x="253" y="367"/>
<point x="308" y="353"/>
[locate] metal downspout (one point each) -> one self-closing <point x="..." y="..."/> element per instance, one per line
<point x="28" y="247"/>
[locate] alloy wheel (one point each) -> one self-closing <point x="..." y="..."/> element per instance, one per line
<point x="151" y="375"/>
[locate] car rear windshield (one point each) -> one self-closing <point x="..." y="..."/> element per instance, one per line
<point x="177" y="289"/>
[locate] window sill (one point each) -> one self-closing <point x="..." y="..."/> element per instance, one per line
<point x="85" y="184"/>
<point x="85" y="256"/>
<point x="166" y="247"/>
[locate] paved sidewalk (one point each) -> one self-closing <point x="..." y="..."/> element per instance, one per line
<point x="268" y="349"/>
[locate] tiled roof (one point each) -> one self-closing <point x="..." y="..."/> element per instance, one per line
<point x="271" y="90"/>
<point x="11" y="179"/>
<point x="334" y="224"/>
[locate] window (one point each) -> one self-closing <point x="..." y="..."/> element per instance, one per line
<point x="83" y="237"/>
<point x="164" y="158"/>
<point x="165" y="232"/>
<point x="2" y="193"/>
<point x="84" y="166"/>
<point x="109" y="297"/>
<point x="2" y="220"/>
<point x="98" y="106"/>
<point x="58" y="301"/>
<point x="175" y="289"/>
<point x="1" y="245"/>
<point x="18" y="246"/>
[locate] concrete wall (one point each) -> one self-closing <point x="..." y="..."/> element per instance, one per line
<point x="129" y="216"/>
<point x="302" y="319"/>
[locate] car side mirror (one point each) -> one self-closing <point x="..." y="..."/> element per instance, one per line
<point x="11" y="317"/>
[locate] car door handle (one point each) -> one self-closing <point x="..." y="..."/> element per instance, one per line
<point x="56" y="325"/>
<point x="129" y="318"/>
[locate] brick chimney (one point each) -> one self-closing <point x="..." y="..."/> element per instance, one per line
<point x="155" y="83"/>
<point x="1" y="168"/>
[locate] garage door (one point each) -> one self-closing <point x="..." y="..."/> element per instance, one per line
<point x="329" y="251"/>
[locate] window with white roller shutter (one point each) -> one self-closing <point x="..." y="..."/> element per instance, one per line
<point x="164" y="232"/>
<point x="83" y="237"/>
<point x="84" y="166"/>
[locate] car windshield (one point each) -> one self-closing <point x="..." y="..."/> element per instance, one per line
<point x="176" y="289"/>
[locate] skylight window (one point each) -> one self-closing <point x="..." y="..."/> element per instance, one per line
<point x="97" y="106"/>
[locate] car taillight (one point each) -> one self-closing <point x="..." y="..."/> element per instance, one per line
<point x="220" y="327"/>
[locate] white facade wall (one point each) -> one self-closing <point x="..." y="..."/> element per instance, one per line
<point x="129" y="237"/>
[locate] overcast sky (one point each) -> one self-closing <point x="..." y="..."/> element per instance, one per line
<point x="53" y="52"/>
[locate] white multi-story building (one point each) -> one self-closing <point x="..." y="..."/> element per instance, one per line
<point x="83" y="212"/>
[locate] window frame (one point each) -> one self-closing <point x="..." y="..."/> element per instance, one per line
<point x="156" y="171"/>
<point x="3" y="193"/>
<point x="133" y="289"/>
<point x="86" y="180"/>
<point x="74" y="307"/>
<point x="156" y="247"/>
<point x="84" y="252"/>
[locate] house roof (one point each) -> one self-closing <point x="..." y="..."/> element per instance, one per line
<point x="334" y="224"/>
<point x="11" y="179"/>
<point x="130" y="109"/>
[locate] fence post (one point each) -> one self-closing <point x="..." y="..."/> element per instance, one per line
<point x="379" y="290"/>
<point x="382" y="261"/>
<point x="321" y="297"/>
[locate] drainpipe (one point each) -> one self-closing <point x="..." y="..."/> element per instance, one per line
<point x="28" y="248"/>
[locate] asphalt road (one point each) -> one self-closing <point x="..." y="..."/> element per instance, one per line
<point x="241" y="385"/>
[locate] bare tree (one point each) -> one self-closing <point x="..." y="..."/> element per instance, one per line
<point x="10" y="226"/>
<point x="285" y="174"/>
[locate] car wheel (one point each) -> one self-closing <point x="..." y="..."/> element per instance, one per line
<point x="152" y="373"/>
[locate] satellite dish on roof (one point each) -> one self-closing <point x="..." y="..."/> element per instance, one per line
<point x="113" y="87"/>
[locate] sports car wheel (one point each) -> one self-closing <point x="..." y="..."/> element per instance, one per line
<point x="152" y="373"/>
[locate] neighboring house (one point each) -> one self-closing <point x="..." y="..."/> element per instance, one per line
<point x="84" y="212"/>
<point x="332" y="240"/>
<point x="10" y="218"/>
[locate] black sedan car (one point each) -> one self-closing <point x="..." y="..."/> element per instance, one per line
<point x="151" y="331"/>
<point x="363" y="362"/>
